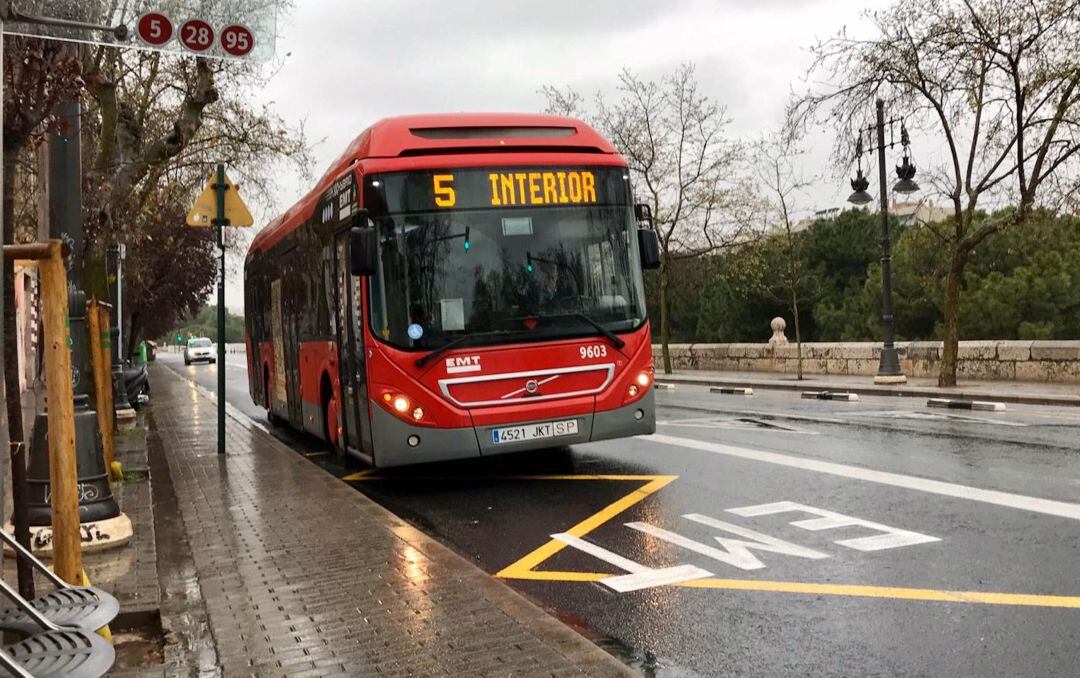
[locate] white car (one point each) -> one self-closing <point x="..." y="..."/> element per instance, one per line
<point x="199" y="349"/>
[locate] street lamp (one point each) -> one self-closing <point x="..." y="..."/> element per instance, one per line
<point x="889" y="367"/>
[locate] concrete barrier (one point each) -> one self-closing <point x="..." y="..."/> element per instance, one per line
<point x="1047" y="361"/>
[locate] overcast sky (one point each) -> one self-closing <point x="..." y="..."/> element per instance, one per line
<point x="343" y="64"/>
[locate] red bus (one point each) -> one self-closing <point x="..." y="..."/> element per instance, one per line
<point x="457" y="286"/>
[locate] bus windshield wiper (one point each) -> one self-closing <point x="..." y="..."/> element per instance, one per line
<point x="428" y="357"/>
<point x="458" y="341"/>
<point x="611" y="336"/>
<point x="600" y="329"/>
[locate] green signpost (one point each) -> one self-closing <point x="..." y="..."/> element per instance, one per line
<point x="219" y="206"/>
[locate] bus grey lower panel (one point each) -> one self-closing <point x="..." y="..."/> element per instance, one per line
<point x="623" y="421"/>
<point x="390" y="437"/>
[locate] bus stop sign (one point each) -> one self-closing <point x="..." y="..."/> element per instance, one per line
<point x="226" y="29"/>
<point x="204" y="211"/>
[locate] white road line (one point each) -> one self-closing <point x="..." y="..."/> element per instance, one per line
<point x="640" y="577"/>
<point x="1007" y="499"/>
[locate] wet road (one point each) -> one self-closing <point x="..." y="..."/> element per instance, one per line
<point x="776" y="536"/>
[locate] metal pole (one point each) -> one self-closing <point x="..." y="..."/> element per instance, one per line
<point x="220" y="187"/>
<point x="124" y="415"/>
<point x="120" y="303"/>
<point x="889" y="367"/>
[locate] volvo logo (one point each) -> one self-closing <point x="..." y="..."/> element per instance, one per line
<point x="532" y="386"/>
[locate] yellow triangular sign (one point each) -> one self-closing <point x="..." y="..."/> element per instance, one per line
<point x="205" y="209"/>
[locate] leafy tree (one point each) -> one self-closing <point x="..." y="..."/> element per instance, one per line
<point x="155" y="127"/>
<point x="996" y="82"/>
<point x="673" y="138"/>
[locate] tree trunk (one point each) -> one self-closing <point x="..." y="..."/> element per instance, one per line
<point x="951" y="338"/>
<point x="665" y="321"/>
<point x="798" y="334"/>
<point x="16" y="434"/>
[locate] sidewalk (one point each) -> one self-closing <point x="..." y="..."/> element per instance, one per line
<point x="301" y="575"/>
<point x="1028" y="393"/>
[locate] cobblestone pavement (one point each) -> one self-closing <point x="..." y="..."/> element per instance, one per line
<point x="303" y="576"/>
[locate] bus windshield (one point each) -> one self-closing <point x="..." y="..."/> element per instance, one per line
<point x="530" y="272"/>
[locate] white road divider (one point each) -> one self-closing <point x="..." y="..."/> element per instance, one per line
<point x="663" y="387"/>
<point x="965" y="404"/>
<point x="830" y="395"/>
<point x="731" y="390"/>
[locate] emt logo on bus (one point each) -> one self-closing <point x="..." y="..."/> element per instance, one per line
<point x="519" y="189"/>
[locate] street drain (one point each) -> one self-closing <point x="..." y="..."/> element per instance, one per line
<point x="138" y="639"/>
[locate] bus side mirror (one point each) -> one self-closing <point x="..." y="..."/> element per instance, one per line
<point x="649" y="247"/>
<point x="363" y="251"/>
<point x="643" y="213"/>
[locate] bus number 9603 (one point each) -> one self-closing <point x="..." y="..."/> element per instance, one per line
<point x="595" y="351"/>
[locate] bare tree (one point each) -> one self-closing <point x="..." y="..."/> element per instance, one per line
<point x="673" y="138"/>
<point x="996" y="81"/>
<point x="780" y="181"/>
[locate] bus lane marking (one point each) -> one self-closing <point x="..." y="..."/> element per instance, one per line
<point x="736" y="551"/>
<point x="1007" y="499"/>
<point x="641" y="576"/>
<point x="890" y="537"/>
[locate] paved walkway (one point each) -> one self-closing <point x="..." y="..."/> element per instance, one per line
<point x="1031" y="393"/>
<point x="302" y="575"/>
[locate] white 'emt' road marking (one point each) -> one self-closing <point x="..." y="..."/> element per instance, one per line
<point x="1007" y="499"/>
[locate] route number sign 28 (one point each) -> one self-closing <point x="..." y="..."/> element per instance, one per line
<point x="197" y="35"/>
<point x="155" y="30"/>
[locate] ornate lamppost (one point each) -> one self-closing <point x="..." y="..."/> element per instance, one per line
<point x="889" y="371"/>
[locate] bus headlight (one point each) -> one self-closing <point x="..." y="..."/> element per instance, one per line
<point x="643" y="379"/>
<point x="632" y="390"/>
<point x="418" y="413"/>
<point x="401" y="404"/>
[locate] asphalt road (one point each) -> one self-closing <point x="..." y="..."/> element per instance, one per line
<point x="775" y="536"/>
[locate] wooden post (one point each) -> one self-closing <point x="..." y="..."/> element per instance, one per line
<point x="99" y="357"/>
<point x="63" y="475"/>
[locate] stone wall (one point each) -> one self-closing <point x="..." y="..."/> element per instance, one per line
<point x="1050" y="361"/>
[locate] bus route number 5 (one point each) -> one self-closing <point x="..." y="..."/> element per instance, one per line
<point x="444" y="191"/>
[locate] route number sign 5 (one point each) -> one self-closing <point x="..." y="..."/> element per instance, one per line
<point x="197" y="35"/>
<point x="154" y="29"/>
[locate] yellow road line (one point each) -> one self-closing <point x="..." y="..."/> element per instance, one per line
<point x="361" y="475"/>
<point x="522" y="569"/>
<point x="978" y="597"/>
<point x="815" y="589"/>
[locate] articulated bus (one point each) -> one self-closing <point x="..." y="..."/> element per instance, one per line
<point x="457" y="286"/>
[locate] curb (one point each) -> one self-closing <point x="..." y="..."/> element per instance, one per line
<point x="732" y="390"/>
<point x="912" y="391"/>
<point x="965" y="404"/>
<point x="831" y="395"/>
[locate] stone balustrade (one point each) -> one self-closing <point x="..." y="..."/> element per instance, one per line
<point x="1047" y="361"/>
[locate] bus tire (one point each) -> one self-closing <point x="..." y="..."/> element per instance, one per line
<point x="274" y="420"/>
<point x="328" y="410"/>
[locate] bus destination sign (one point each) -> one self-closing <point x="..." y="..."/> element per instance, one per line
<point x="503" y="187"/>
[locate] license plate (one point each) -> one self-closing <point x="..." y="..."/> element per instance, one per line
<point x="548" y="429"/>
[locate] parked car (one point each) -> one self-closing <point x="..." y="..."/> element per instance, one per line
<point x="199" y="349"/>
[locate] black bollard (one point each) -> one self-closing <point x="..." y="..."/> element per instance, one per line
<point x="96" y="500"/>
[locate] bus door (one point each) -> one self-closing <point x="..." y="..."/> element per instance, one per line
<point x="293" y="307"/>
<point x="351" y="359"/>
